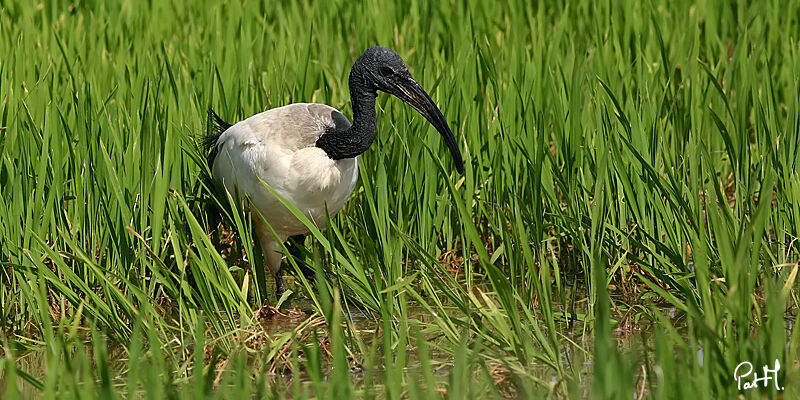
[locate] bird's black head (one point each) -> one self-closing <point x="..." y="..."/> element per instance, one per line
<point x="381" y="68"/>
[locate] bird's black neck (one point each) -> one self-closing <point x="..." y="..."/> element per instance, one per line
<point x="348" y="143"/>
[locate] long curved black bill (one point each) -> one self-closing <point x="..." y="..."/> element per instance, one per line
<point x="412" y="93"/>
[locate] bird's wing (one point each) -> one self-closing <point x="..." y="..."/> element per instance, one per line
<point x="292" y="127"/>
<point x="262" y="146"/>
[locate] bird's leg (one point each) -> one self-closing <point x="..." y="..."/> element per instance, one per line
<point x="294" y="246"/>
<point x="271" y="251"/>
<point x="279" y="287"/>
<point x="272" y="257"/>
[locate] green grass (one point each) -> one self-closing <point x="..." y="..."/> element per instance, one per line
<point x="627" y="222"/>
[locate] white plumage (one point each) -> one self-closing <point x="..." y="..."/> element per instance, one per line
<point x="308" y="153"/>
<point x="276" y="147"/>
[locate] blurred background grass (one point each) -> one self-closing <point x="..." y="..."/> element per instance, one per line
<point x="627" y="223"/>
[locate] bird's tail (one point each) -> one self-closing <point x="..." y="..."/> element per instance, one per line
<point x="215" y="128"/>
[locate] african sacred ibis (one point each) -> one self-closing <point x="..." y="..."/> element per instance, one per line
<point x="308" y="153"/>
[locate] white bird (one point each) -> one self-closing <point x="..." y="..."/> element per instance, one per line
<point x="308" y="153"/>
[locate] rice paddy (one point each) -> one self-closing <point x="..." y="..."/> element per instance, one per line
<point x="626" y="226"/>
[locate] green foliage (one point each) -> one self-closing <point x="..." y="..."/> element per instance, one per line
<point x="627" y="222"/>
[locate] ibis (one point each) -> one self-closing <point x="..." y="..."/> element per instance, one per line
<point x="308" y="153"/>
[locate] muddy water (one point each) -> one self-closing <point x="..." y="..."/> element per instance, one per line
<point x="576" y="347"/>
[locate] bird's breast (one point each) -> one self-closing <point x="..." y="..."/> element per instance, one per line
<point x="312" y="171"/>
<point x="317" y="183"/>
<point x="317" y="178"/>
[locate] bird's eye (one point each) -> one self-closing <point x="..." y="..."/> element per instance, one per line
<point x="386" y="72"/>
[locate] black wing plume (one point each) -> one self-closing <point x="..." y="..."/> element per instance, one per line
<point x="215" y="128"/>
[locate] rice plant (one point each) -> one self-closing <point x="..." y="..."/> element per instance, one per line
<point x="626" y="226"/>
